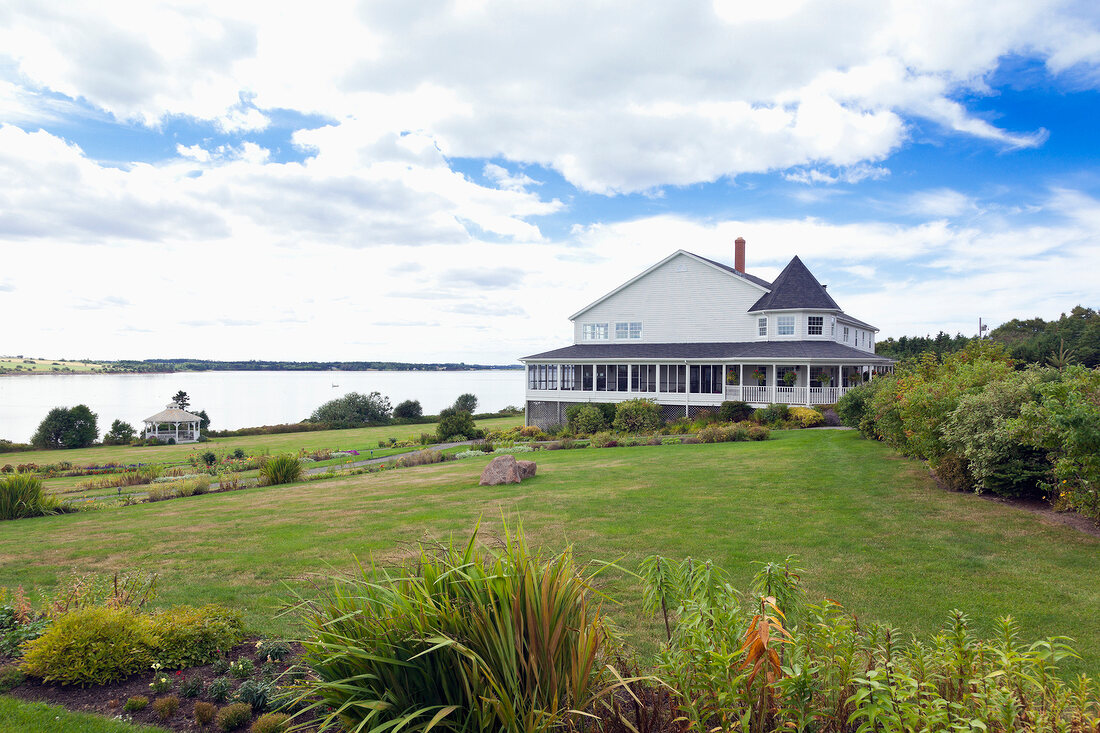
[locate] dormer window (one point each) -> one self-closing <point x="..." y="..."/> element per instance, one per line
<point x="815" y="325"/>
<point x="785" y="326"/>
<point x="594" y="332"/>
<point x="628" y="330"/>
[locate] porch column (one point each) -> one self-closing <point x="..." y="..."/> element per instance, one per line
<point x="807" y="385"/>
<point x="773" y="371"/>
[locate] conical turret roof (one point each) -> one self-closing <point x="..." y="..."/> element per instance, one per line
<point x="796" y="287"/>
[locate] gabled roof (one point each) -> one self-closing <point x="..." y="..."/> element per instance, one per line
<point x="744" y="350"/>
<point x="754" y="281"/>
<point x="857" y="322"/>
<point x="796" y="287"/>
<point x="173" y="414"/>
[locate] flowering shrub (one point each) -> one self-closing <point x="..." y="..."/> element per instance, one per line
<point x="804" y="417"/>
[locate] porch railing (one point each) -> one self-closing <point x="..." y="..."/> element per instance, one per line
<point x="785" y="395"/>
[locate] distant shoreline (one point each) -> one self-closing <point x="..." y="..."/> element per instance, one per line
<point x="177" y="366"/>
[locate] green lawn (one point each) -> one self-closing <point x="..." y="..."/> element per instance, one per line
<point x="36" y="365"/>
<point x="355" y="438"/>
<point x="17" y="716"/>
<point x="872" y="530"/>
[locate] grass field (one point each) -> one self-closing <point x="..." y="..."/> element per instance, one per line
<point x="17" y="716"/>
<point x="354" y="438"/>
<point x="35" y="365"/>
<point x="872" y="530"/>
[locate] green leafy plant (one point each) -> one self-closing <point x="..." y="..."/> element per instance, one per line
<point x="257" y="694"/>
<point x="283" y="469"/>
<point x="234" y="716"/>
<point x="191" y="686"/>
<point x="204" y="713"/>
<point x="219" y="689"/>
<point x="272" y="649"/>
<point x="734" y="411"/>
<point x="188" y="636"/>
<point x="638" y="416"/>
<point x="458" y="638"/>
<point x="161" y="683"/>
<point x="10" y="678"/>
<point x="587" y="418"/>
<point x="165" y="707"/>
<point x="242" y="668"/>
<point x="135" y="704"/>
<point x="270" y="723"/>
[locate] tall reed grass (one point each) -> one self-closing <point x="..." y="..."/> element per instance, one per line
<point x="464" y="639"/>
<point x="22" y="495"/>
<point x="283" y="469"/>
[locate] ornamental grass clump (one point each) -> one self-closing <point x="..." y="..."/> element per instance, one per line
<point x="283" y="469"/>
<point x="465" y="638"/>
<point x="22" y="495"/>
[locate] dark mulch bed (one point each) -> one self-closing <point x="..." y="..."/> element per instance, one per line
<point x="108" y="700"/>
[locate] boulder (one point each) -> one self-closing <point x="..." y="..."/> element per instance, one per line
<point x="501" y="470"/>
<point x="526" y="469"/>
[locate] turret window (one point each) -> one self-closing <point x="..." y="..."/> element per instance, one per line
<point x="785" y="326"/>
<point x="814" y="325"/>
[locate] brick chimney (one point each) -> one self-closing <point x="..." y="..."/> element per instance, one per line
<point x="739" y="254"/>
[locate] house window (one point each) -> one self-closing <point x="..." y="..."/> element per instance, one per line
<point x="594" y="331"/>
<point x="672" y="378"/>
<point x="762" y="326"/>
<point x="567" y="376"/>
<point x="542" y="376"/>
<point x="628" y="330"/>
<point x="815" y="325"/>
<point x="832" y="326"/>
<point x="586" y="377"/>
<point x="624" y="378"/>
<point x="786" y="326"/>
<point x="601" y="377"/>
<point x="705" y="378"/>
<point x="781" y="372"/>
<point x="845" y="334"/>
<point x="643" y="378"/>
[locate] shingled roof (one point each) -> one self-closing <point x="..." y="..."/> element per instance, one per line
<point x="172" y="414"/>
<point x="796" y="287"/>
<point x="733" y="270"/>
<point x="746" y="350"/>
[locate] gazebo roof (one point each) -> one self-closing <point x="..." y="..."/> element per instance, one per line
<point x="173" y="414"/>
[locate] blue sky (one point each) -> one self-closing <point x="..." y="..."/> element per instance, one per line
<point x="451" y="180"/>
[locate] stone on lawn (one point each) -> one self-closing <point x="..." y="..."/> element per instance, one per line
<point x="526" y="469"/>
<point x="501" y="470"/>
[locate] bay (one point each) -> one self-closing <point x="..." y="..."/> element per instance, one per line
<point x="238" y="399"/>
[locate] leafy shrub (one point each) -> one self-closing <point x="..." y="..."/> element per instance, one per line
<point x="234" y="716"/>
<point x="136" y="703"/>
<point x="486" y="446"/>
<point x="432" y="636"/>
<point x="283" y="469"/>
<point x="204" y="714"/>
<point x="65" y="427"/>
<point x="466" y="403"/>
<point x="455" y="422"/>
<point x="219" y="689"/>
<point x="603" y="440"/>
<point x="772" y="414"/>
<point x="353" y="410"/>
<point x="22" y="495"/>
<point x="758" y="432"/>
<point x="91" y="646"/>
<point x="165" y="707"/>
<point x="586" y="419"/>
<point x="160" y="683"/>
<point x="121" y="433"/>
<point x="723" y="433"/>
<point x="238" y="453"/>
<point x="188" y="636"/>
<point x="270" y="723"/>
<point x="409" y="409"/>
<point x="242" y="668"/>
<point x="734" y="411"/>
<point x="273" y="649"/>
<point x="804" y="417"/>
<point x="191" y="686"/>
<point x="10" y="678"/>
<point x="638" y="416"/>
<point x="257" y="694"/>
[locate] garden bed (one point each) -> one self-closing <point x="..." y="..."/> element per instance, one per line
<point x="108" y="700"/>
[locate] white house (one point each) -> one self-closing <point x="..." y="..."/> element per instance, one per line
<point x="690" y="333"/>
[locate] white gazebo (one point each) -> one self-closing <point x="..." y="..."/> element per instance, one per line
<point x="172" y="422"/>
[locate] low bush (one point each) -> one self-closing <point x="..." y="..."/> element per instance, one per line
<point x="453" y="423"/>
<point x="188" y="636"/>
<point x="758" y="432"/>
<point x="233" y="717"/>
<point x="23" y="496"/>
<point x="274" y="650"/>
<point x="679" y="426"/>
<point x="804" y="417"/>
<point x="420" y="458"/>
<point x="603" y="440"/>
<point x="219" y="689"/>
<point x="588" y="418"/>
<point x="136" y="703"/>
<point x="734" y="411"/>
<point x="10" y="678"/>
<point x="638" y="416"/>
<point x="456" y="628"/>
<point x="283" y="469"/>
<point x="91" y="646"/>
<point x="165" y="707"/>
<point x="257" y="694"/>
<point x="191" y="686"/>
<point x="724" y="433"/>
<point x="242" y="668"/>
<point x="485" y="446"/>
<point x="204" y="714"/>
<point x="270" y="723"/>
<point x="409" y="409"/>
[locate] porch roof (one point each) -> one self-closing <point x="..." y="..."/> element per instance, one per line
<point x="172" y="414"/>
<point x="739" y="350"/>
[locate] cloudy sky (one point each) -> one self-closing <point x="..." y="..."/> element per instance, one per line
<point x="430" y="181"/>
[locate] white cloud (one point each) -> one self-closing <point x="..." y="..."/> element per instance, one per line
<point x="679" y="94"/>
<point x="940" y="202"/>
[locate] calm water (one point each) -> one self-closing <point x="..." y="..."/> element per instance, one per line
<point x="238" y="399"/>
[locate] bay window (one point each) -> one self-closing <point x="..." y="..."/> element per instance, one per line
<point x="785" y="326"/>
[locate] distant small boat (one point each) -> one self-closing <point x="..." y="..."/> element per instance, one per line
<point x="336" y="385"/>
